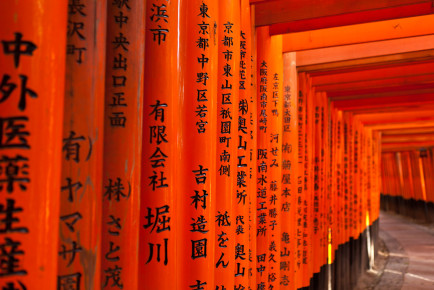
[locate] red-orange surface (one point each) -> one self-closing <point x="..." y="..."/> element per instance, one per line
<point x="159" y="188"/>
<point x="32" y="64"/>
<point x="196" y="154"/>
<point x="81" y="194"/>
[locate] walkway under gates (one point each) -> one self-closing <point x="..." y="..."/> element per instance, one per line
<point x="411" y="260"/>
<point x="210" y="145"/>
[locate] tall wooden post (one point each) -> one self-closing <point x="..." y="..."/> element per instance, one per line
<point x="327" y="183"/>
<point x="253" y="152"/>
<point x="304" y="179"/>
<point x="355" y="170"/>
<point x="376" y="135"/>
<point x="339" y="233"/>
<point x="122" y="146"/>
<point x="334" y="201"/>
<point x="263" y="195"/>
<point x="308" y="259"/>
<point x="79" y="252"/>
<point x="290" y="169"/>
<point x="245" y="166"/>
<point x="275" y="178"/>
<point x="227" y="190"/>
<point x="32" y="58"/>
<point x="324" y="182"/>
<point x="316" y="182"/>
<point x="197" y="153"/>
<point x="300" y="248"/>
<point x="159" y="188"/>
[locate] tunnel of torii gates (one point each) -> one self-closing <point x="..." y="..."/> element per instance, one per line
<point x="199" y="144"/>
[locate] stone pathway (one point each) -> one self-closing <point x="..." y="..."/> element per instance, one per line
<point x="411" y="254"/>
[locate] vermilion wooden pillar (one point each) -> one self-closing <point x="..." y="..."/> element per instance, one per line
<point x="253" y="152"/>
<point x="353" y="210"/>
<point x="122" y="146"/>
<point x="409" y="175"/>
<point x="308" y="221"/>
<point x="428" y="170"/>
<point x="355" y="225"/>
<point x="304" y="219"/>
<point x="246" y="189"/>
<point x="32" y="66"/>
<point x="346" y="174"/>
<point x="367" y="211"/>
<point x="81" y="196"/>
<point x="300" y="270"/>
<point x="316" y="182"/>
<point x="375" y="179"/>
<point x="400" y="174"/>
<point x="376" y="175"/>
<point x="386" y="176"/>
<point x="227" y="140"/>
<point x="334" y="237"/>
<point x="418" y="189"/>
<point x="275" y="178"/>
<point x="422" y="179"/>
<point x="394" y="174"/>
<point x="324" y="181"/>
<point x="359" y="174"/>
<point x="159" y="185"/>
<point x="339" y="180"/>
<point x="290" y="171"/>
<point x="363" y="173"/>
<point x="367" y="178"/>
<point x="355" y="172"/>
<point x="325" y="177"/>
<point x="196" y="191"/>
<point x="346" y="192"/>
<point x="262" y="184"/>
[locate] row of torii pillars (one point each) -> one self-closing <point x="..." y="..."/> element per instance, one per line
<point x="173" y="146"/>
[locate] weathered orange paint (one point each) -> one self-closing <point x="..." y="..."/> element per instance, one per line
<point x="122" y="147"/>
<point x="81" y="193"/>
<point x="36" y="145"/>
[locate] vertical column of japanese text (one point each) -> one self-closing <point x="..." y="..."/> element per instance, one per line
<point x="79" y="262"/>
<point x="32" y="57"/>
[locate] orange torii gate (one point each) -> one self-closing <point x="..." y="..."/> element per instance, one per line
<point x="199" y="145"/>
